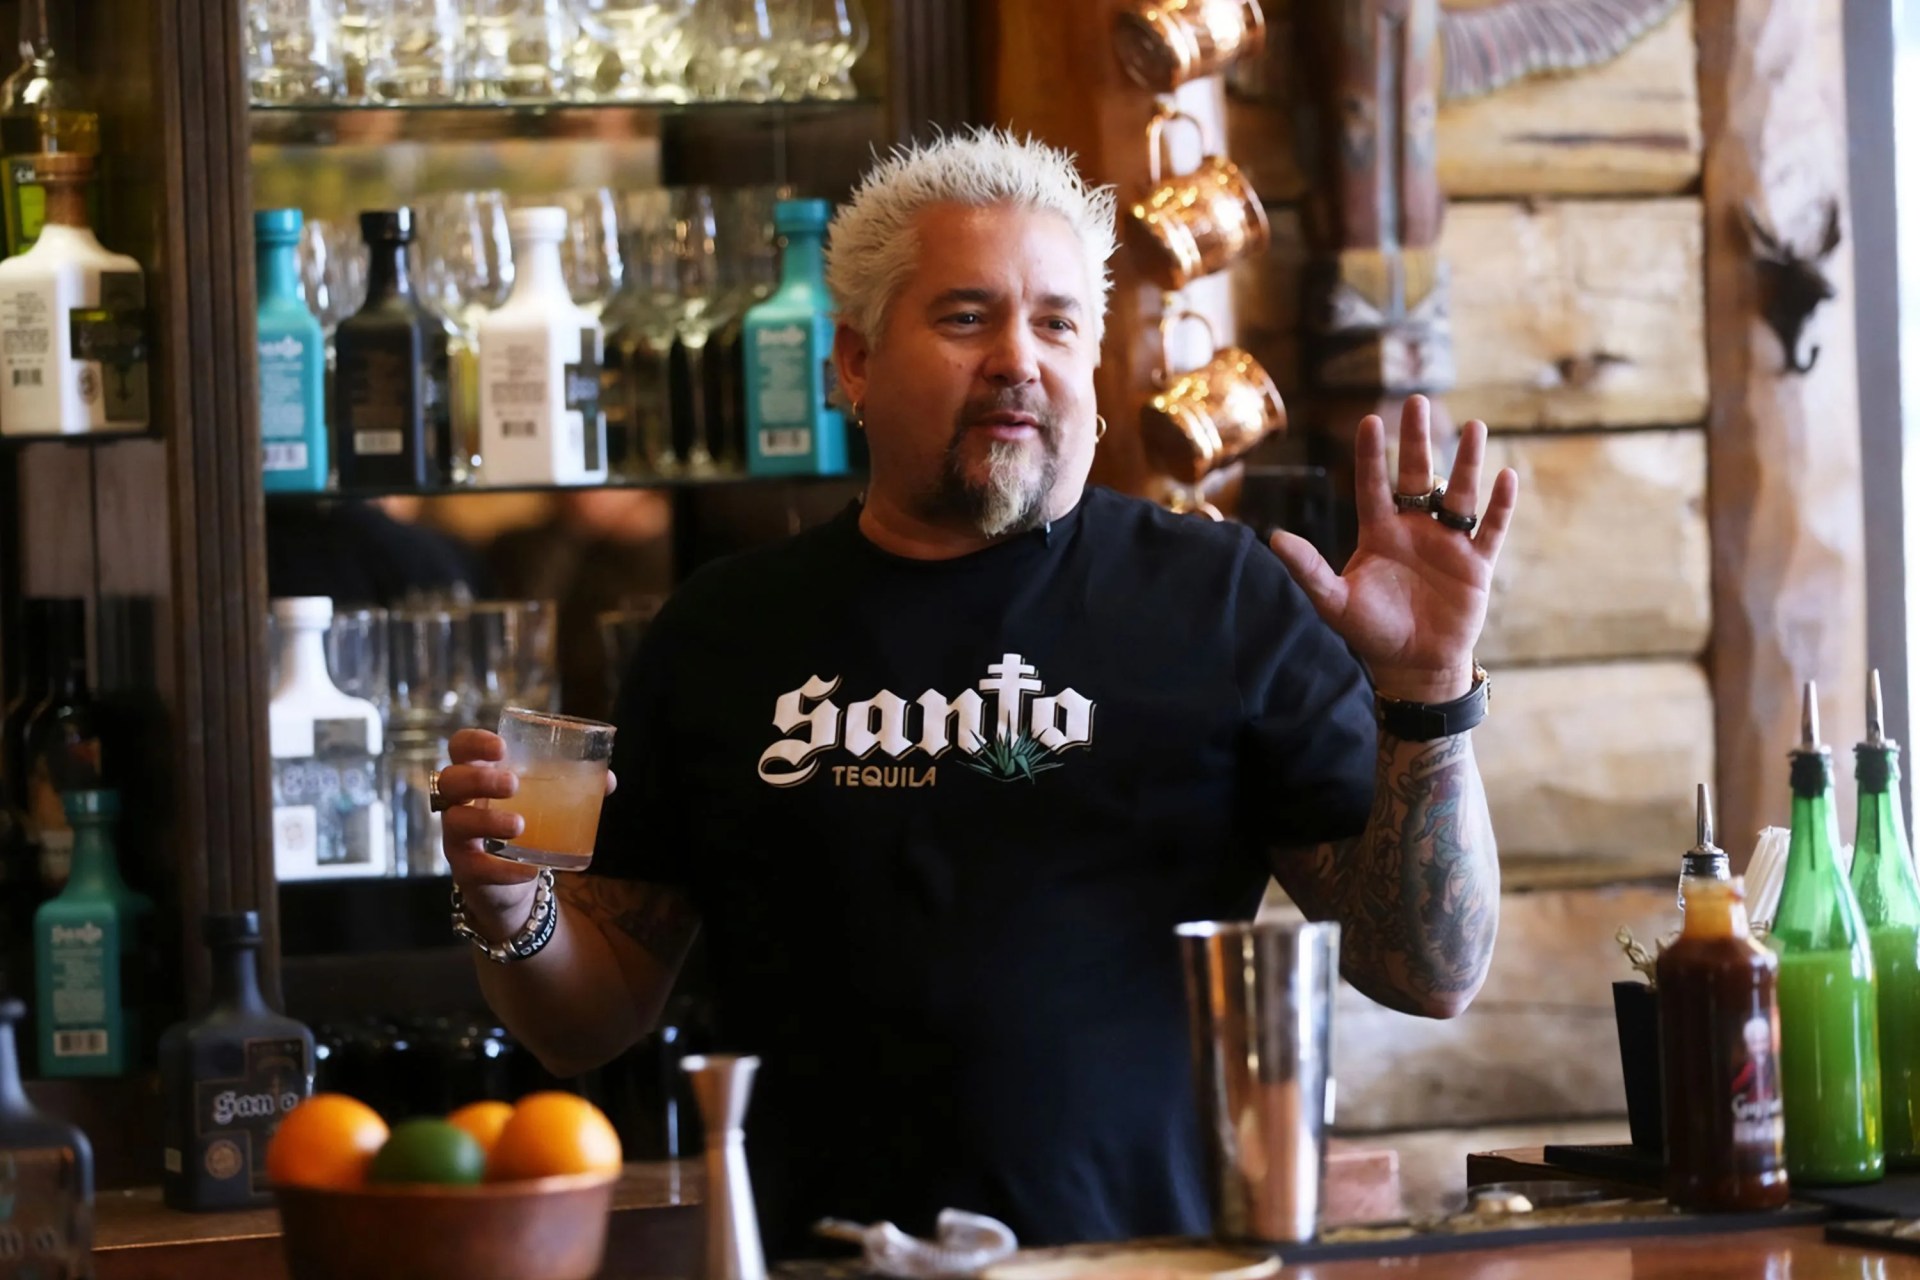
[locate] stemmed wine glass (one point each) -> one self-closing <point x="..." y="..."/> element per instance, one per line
<point x="640" y="323"/>
<point x="696" y="308"/>
<point x="590" y="255"/>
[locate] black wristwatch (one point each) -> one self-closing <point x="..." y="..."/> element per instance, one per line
<point x="1425" y="721"/>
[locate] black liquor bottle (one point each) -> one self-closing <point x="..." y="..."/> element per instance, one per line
<point x="392" y="419"/>
<point x="227" y="1078"/>
<point x="46" y="1179"/>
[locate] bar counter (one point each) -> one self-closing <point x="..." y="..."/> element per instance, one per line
<point x="655" y="1233"/>
<point x="657" y="1228"/>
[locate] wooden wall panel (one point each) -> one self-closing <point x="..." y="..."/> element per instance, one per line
<point x="1610" y="558"/>
<point x="1565" y="314"/>
<point x="1788" y="541"/>
<point x="1538" y="1043"/>
<point x="1631" y="127"/>
<point x="1590" y="769"/>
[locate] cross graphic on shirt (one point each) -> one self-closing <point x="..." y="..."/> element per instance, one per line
<point x="1009" y="681"/>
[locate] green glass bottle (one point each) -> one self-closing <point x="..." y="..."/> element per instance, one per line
<point x="87" y="953"/>
<point x="1889" y="894"/>
<point x="1829" y="1018"/>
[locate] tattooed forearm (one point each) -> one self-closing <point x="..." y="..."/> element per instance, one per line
<point x="659" y="920"/>
<point x="1418" y="893"/>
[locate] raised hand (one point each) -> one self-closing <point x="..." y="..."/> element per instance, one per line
<point x="1413" y="599"/>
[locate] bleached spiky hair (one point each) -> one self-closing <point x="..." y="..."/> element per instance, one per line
<point x="872" y="248"/>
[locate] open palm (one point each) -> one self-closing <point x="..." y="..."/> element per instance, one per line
<point x="1413" y="598"/>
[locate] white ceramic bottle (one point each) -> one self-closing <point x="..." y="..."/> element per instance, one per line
<point x="73" y="322"/>
<point x="329" y="819"/>
<point x="540" y="419"/>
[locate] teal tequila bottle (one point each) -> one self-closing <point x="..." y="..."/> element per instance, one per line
<point x="293" y="361"/>
<point x="87" y="953"/>
<point x="787" y="346"/>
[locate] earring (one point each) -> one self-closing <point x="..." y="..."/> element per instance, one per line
<point x="859" y="415"/>
<point x="1099" y="428"/>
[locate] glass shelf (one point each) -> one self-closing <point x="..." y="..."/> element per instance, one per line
<point x="724" y="481"/>
<point x="373" y="123"/>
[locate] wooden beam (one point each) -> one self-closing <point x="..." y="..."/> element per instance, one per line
<point x="1631" y="127"/>
<point x="1784" y="449"/>
<point x="1565" y="314"/>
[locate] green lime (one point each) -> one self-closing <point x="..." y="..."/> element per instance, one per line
<point x="429" y="1151"/>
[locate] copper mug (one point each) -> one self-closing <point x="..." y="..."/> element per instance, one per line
<point x="1205" y="418"/>
<point x="1193" y="224"/>
<point x="1165" y="43"/>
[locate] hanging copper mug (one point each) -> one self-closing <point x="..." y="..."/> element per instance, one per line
<point x="1165" y="43"/>
<point x="1205" y="418"/>
<point x="1193" y="224"/>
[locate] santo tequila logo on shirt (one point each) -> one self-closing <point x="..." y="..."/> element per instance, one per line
<point x="1029" y="727"/>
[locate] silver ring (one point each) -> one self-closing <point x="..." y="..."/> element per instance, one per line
<point x="1421" y="503"/>
<point x="1455" y="521"/>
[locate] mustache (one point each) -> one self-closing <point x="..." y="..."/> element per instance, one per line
<point x="977" y="411"/>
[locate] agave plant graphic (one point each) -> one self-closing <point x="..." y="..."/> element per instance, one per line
<point x="1011" y="759"/>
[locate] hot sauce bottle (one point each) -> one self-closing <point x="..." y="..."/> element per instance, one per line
<point x="1720" y="1051"/>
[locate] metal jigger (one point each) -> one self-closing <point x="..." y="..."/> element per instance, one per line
<point x="722" y="1084"/>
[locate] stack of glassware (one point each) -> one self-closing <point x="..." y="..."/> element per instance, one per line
<point x="661" y="51"/>
<point x="430" y="668"/>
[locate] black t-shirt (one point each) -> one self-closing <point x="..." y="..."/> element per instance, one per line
<point x="941" y="818"/>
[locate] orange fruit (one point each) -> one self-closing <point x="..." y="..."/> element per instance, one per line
<point x="553" y="1133"/>
<point x="326" y="1141"/>
<point x="483" y="1120"/>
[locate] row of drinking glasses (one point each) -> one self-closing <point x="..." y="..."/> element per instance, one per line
<point x="431" y="51"/>
<point x="656" y="266"/>
<point x="432" y="667"/>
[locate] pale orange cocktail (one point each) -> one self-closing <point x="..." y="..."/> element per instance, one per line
<point x="561" y="762"/>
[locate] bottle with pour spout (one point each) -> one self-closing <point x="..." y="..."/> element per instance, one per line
<point x="1883" y="880"/>
<point x="1829" y="1016"/>
<point x="1720" y="1046"/>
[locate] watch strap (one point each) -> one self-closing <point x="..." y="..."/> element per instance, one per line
<point x="1427" y="721"/>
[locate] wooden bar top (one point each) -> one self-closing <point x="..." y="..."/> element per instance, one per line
<point x="656" y="1224"/>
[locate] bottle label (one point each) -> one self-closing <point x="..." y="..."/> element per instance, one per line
<point x="783" y="363"/>
<point x="27" y="204"/>
<point x="296" y="836"/>
<point x="376" y="399"/>
<point x="1759" y="1121"/>
<point x="582" y="396"/>
<point x="110" y="350"/>
<point x="79" y="955"/>
<point x="514" y="389"/>
<point x="46" y="1223"/>
<point x="785" y="442"/>
<point x="234" y="1119"/>
<point x="284" y="401"/>
<point x="29" y="386"/>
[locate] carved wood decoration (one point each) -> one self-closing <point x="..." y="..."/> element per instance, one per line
<point x="1376" y="307"/>
<point x="1783" y="450"/>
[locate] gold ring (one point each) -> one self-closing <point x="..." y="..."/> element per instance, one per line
<point x="435" y="801"/>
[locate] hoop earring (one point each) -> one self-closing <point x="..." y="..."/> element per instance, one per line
<point x="1099" y="428"/>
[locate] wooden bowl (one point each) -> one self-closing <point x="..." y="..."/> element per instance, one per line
<point x="540" y="1229"/>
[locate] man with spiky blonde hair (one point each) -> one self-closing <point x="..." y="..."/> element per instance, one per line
<point x="941" y="776"/>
